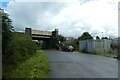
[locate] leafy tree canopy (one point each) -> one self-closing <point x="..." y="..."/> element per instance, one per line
<point x="104" y="37"/>
<point x="85" y="36"/>
<point x="7" y="29"/>
<point x="61" y="38"/>
<point x="97" y="37"/>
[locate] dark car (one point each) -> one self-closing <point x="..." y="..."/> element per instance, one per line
<point x="68" y="48"/>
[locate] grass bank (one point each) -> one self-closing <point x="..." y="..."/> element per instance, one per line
<point x="111" y="55"/>
<point x="34" y="67"/>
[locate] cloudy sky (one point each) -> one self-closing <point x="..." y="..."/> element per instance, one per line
<point x="72" y="17"/>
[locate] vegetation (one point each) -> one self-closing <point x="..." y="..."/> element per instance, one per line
<point x="35" y="66"/>
<point x="7" y="29"/>
<point x="39" y="44"/>
<point x="19" y="56"/>
<point x="83" y="51"/>
<point x="85" y="36"/>
<point x="97" y="37"/>
<point x="20" y="47"/>
<point x="24" y="61"/>
<point x="54" y="38"/>
<point x="104" y="38"/>
<point x="96" y="52"/>
<point x="114" y="46"/>
<point x="61" y="38"/>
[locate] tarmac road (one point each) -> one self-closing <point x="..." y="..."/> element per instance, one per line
<point x="79" y="65"/>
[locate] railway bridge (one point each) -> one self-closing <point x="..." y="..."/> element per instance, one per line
<point x="40" y="35"/>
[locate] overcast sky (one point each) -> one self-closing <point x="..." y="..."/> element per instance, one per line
<point x="71" y="18"/>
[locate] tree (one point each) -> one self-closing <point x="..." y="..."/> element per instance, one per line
<point x="21" y="47"/>
<point x="104" y="37"/>
<point x="85" y="36"/>
<point x="55" y="38"/>
<point x="61" y="38"/>
<point x="97" y="37"/>
<point x="7" y="29"/>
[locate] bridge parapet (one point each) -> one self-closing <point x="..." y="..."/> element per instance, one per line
<point x="37" y="34"/>
<point x="48" y="38"/>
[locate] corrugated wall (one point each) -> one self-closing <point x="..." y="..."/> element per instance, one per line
<point x="95" y="45"/>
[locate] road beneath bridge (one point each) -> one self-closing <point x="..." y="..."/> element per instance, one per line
<point x="78" y="65"/>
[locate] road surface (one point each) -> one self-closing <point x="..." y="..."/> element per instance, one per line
<point x="79" y="65"/>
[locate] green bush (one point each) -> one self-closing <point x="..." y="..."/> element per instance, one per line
<point x="21" y="46"/>
<point x="35" y="66"/>
<point x="114" y="46"/>
<point x="96" y="52"/>
<point x="7" y="29"/>
<point x="39" y="45"/>
<point x="83" y="51"/>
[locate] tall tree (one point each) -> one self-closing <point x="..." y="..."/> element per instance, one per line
<point x="85" y="36"/>
<point x="97" y="37"/>
<point x="7" y="29"/>
<point x="55" y="38"/>
<point x="61" y="38"/>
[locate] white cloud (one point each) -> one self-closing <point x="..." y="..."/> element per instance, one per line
<point x="46" y="0"/>
<point x="71" y="18"/>
<point x="94" y="15"/>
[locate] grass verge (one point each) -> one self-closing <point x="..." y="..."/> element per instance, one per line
<point x="98" y="53"/>
<point x="34" y="67"/>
